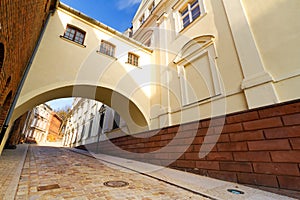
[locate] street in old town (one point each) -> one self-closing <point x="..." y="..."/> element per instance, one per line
<point x="49" y="172"/>
<point x="57" y="173"/>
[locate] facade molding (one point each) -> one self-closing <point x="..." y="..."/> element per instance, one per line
<point x="255" y="74"/>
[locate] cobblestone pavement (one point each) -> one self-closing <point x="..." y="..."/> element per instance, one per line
<point x="11" y="163"/>
<point x="80" y="177"/>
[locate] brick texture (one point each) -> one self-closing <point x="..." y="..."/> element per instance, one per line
<point x="259" y="147"/>
<point x="21" y="23"/>
<point x="54" y="128"/>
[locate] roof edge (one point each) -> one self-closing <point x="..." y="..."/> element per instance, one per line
<point x="102" y="26"/>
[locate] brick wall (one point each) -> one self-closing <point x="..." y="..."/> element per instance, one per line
<point x="54" y="128"/>
<point x="259" y="147"/>
<point x="20" y="25"/>
<point x="16" y="130"/>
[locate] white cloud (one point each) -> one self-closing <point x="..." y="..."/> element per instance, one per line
<point x="124" y="4"/>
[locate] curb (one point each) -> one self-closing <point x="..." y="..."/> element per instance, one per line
<point x="13" y="186"/>
<point x="204" y="186"/>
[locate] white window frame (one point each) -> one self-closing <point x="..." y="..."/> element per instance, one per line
<point x="107" y="48"/>
<point x="74" y="34"/>
<point x="181" y="6"/>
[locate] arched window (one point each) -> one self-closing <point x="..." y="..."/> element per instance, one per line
<point x="197" y="70"/>
<point x="7" y="101"/>
<point x="8" y="82"/>
<point x="146" y="39"/>
<point x="1" y="54"/>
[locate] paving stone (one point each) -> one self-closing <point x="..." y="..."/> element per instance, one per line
<point x="81" y="178"/>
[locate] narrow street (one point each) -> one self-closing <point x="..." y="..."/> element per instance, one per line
<point x="58" y="173"/>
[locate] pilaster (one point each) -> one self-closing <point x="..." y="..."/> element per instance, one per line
<point x="258" y="83"/>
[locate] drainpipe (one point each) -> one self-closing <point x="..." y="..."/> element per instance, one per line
<point x="20" y="86"/>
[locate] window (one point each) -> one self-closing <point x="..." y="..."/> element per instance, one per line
<point x="1" y="54"/>
<point x="7" y="82"/>
<point x="151" y="7"/>
<point x="198" y="71"/>
<point x="74" y="34"/>
<point x="90" y="129"/>
<point x="142" y="19"/>
<point x="133" y="59"/>
<point x="82" y="131"/>
<point x="107" y="48"/>
<point x="116" y="121"/>
<point x="146" y="39"/>
<point x="148" y="42"/>
<point x="190" y="12"/>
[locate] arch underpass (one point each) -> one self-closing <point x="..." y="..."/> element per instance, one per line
<point x="135" y="118"/>
<point x="65" y="67"/>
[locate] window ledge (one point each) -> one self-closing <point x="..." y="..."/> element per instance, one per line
<point x="133" y="65"/>
<point x="111" y="57"/>
<point x="71" y="41"/>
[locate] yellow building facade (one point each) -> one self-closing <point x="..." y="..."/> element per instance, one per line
<point x="229" y="68"/>
<point x="230" y="57"/>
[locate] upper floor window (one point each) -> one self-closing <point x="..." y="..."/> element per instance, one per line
<point x="75" y="34"/>
<point x="151" y="7"/>
<point x="116" y="121"/>
<point x="190" y="12"/>
<point x="133" y="59"/>
<point x="107" y="48"/>
<point x="142" y="19"/>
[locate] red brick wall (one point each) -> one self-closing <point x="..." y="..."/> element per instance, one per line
<point x="21" y="22"/>
<point x="259" y="147"/>
<point x="54" y="128"/>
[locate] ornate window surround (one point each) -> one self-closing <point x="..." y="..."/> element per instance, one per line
<point x="188" y="54"/>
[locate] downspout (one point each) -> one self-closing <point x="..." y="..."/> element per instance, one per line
<point x="20" y="86"/>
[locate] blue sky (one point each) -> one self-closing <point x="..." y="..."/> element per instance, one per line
<point x="117" y="14"/>
<point x="59" y="104"/>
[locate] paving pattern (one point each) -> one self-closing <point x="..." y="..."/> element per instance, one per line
<point x="11" y="163"/>
<point x="57" y="173"/>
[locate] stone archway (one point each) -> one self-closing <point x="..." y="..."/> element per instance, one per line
<point x="130" y="112"/>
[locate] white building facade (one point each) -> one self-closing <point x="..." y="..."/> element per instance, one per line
<point x="38" y="123"/>
<point x="89" y="121"/>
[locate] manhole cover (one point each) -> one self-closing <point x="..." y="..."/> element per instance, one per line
<point x="116" y="183"/>
<point x="48" y="187"/>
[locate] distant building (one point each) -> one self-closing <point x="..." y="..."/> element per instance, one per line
<point x="54" y="128"/>
<point x="90" y="119"/>
<point x="42" y="124"/>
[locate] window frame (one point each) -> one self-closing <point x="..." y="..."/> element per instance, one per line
<point x="142" y="19"/>
<point x="117" y="120"/>
<point x="151" y="7"/>
<point x="206" y="47"/>
<point x="187" y="11"/>
<point x="77" y="31"/>
<point x="184" y="5"/>
<point x="109" y="44"/>
<point x="132" y="60"/>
